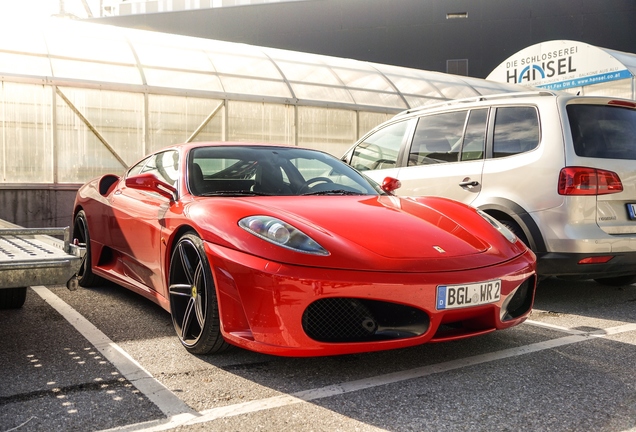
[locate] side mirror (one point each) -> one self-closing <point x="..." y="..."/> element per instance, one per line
<point x="149" y="182"/>
<point x="389" y="184"/>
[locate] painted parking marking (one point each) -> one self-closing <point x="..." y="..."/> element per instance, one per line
<point x="130" y="369"/>
<point x="178" y="413"/>
<point x="554" y="327"/>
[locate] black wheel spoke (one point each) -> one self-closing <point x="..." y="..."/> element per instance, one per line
<point x="183" y="290"/>
<point x="198" y="309"/>
<point x="199" y="306"/>
<point x="187" y="320"/>
<point x="185" y="262"/>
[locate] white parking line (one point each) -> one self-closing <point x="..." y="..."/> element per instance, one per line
<point x="554" y="327"/>
<point x="165" y="400"/>
<point x="180" y="414"/>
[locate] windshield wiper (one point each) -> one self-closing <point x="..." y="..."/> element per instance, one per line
<point x="335" y="192"/>
<point x="234" y="193"/>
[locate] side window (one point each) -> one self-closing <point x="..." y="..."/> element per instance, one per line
<point x="516" y="131"/>
<point x="164" y="165"/>
<point x="137" y="168"/>
<point x="475" y="136"/>
<point x="168" y="166"/>
<point x="380" y="150"/>
<point x="437" y="139"/>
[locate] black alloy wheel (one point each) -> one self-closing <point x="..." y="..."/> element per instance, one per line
<point x="85" y="276"/>
<point x="193" y="302"/>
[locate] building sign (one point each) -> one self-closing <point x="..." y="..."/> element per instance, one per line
<point x="559" y="65"/>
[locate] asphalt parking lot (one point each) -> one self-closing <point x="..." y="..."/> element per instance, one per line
<point x="105" y="358"/>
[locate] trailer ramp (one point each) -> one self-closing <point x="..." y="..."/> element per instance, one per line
<point x="32" y="256"/>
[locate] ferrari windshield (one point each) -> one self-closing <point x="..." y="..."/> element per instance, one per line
<point x="267" y="170"/>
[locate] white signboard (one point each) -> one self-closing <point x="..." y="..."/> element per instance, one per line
<point x="559" y="65"/>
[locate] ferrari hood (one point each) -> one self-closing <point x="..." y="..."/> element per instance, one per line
<point x="390" y="226"/>
<point x="383" y="233"/>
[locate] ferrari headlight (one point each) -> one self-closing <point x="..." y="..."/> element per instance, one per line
<point x="282" y="234"/>
<point x="509" y="235"/>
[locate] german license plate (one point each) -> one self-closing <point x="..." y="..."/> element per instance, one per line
<point x="467" y="295"/>
<point x="631" y="211"/>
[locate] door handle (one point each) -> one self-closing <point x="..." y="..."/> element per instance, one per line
<point x="469" y="183"/>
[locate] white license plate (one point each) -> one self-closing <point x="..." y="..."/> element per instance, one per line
<point x="631" y="211"/>
<point x="467" y="295"/>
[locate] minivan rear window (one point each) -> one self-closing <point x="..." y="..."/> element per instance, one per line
<point x="603" y="131"/>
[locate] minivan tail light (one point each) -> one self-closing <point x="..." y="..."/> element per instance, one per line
<point x="588" y="181"/>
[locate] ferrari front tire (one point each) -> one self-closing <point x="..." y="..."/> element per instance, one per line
<point x="193" y="302"/>
<point x="85" y="276"/>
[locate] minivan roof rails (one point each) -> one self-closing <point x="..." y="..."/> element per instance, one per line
<point x="477" y="99"/>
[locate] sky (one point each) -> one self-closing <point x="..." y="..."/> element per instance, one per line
<point x="30" y="12"/>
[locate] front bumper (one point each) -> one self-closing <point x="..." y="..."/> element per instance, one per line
<point x="264" y="305"/>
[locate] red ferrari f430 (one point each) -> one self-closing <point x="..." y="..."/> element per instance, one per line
<point x="289" y="251"/>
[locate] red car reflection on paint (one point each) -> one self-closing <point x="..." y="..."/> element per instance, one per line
<point x="289" y="251"/>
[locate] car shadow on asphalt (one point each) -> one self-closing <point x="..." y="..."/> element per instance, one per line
<point x="586" y="298"/>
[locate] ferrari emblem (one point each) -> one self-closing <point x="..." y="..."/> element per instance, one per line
<point x="194" y="291"/>
<point x="439" y="249"/>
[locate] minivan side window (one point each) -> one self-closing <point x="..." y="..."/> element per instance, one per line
<point x="475" y="136"/>
<point x="602" y="131"/>
<point x="437" y="138"/>
<point x="379" y="150"/>
<point x="516" y="131"/>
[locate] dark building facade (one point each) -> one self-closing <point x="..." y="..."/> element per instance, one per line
<point x="468" y="37"/>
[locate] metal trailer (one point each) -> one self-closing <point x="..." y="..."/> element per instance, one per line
<point x="31" y="256"/>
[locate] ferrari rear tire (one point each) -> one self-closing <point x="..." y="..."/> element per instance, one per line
<point x="85" y="275"/>
<point x="193" y="302"/>
<point x="12" y="298"/>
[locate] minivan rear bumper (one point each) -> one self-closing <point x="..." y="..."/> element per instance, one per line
<point x="568" y="264"/>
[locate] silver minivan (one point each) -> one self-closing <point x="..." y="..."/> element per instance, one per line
<point x="558" y="169"/>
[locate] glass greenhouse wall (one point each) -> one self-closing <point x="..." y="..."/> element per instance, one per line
<point x="78" y="100"/>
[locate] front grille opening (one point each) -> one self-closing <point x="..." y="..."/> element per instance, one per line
<point x="472" y="326"/>
<point x="520" y="302"/>
<point x="342" y="319"/>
